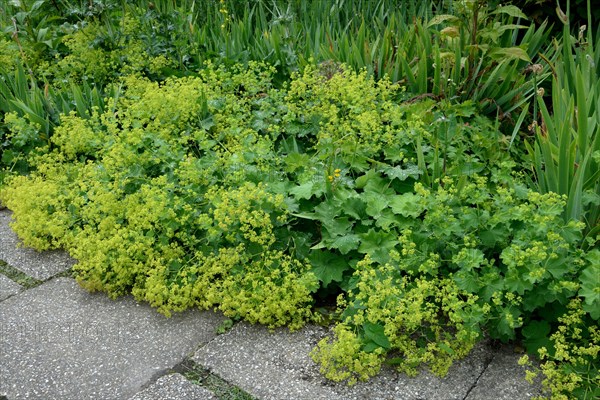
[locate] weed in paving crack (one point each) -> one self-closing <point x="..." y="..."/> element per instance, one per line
<point x="201" y="376"/>
<point x="17" y="276"/>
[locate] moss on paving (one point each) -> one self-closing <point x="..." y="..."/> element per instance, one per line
<point x="17" y="276"/>
<point x="220" y="387"/>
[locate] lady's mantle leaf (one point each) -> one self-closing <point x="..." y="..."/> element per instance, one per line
<point x="407" y="205"/>
<point x="537" y="335"/>
<point x="377" y="244"/>
<point x="376" y="334"/>
<point x="328" y="267"/>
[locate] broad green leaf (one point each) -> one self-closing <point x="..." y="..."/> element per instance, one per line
<point x="377" y="244"/>
<point x="375" y="333"/>
<point x="388" y="219"/>
<point x="509" y="27"/>
<point x="515" y="282"/>
<point x="438" y="19"/>
<point x="370" y="347"/>
<point x="296" y="160"/>
<point x="373" y="182"/>
<point x="507" y="323"/>
<point x="465" y="109"/>
<point x="327" y="266"/>
<point x="537" y="335"/>
<point x="558" y="267"/>
<point x="345" y="243"/>
<point x="491" y="283"/>
<point x="467" y="281"/>
<point x="327" y="211"/>
<point x="304" y="191"/>
<point x="411" y="171"/>
<point x="511" y="53"/>
<point x="337" y="226"/>
<point x="407" y="205"/>
<point x="355" y="207"/>
<point x="497" y="234"/>
<point x="375" y="204"/>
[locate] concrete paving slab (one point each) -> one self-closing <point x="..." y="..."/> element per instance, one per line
<point x="8" y="288"/>
<point x="503" y="379"/>
<point x="278" y="366"/>
<point x="174" y="387"/>
<point x="58" y="341"/>
<point x="38" y="265"/>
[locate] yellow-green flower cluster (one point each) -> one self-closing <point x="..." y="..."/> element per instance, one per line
<point x="9" y="55"/>
<point x="354" y="117"/>
<point x="419" y="317"/>
<point x="220" y="191"/>
<point x="91" y="62"/>
<point x="571" y="370"/>
<point x="151" y="197"/>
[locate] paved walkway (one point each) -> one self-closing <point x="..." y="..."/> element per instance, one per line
<point x="58" y="341"/>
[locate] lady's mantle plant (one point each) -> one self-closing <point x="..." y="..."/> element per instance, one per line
<point x="220" y="191"/>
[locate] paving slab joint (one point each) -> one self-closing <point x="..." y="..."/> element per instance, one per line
<point x="203" y="377"/>
<point x="26" y="281"/>
<point x="488" y="362"/>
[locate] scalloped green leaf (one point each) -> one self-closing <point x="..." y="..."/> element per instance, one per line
<point x="407" y="205"/>
<point x="328" y="267"/>
<point x="376" y="334"/>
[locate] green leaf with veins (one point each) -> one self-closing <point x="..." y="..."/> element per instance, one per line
<point x="377" y="244"/>
<point x="327" y="266"/>
<point x="344" y="244"/>
<point x="590" y="285"/>
<point x="537" y="335"/>
<point x="407" y="205"/>
<point x="376" y="334"/>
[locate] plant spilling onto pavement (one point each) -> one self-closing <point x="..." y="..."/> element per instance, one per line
<point x="370" y="174"/>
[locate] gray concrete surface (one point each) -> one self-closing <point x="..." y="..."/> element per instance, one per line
<point x="174" y="387"/>
<point x="503" y="379"/>
<point x="38" y="265"/>
<point x="8" y="288"/>
<point x="277" y="365"/>
<point x="58" y="341"/>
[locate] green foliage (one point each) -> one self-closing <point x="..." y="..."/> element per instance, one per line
<point x="222" y="191"/>
<point x="504" y="251"/>
<point x="570" y="366"/>
<point x="9" y="55"/>
<point x="163" y="205"/>
<point x="29" y="115"/>
<point x="105" y="56"/>
<point x="33" y="27"/>
<point x="566" y="153"/>
<point x="390" y="312"/>
<point x="465" y="52"/>
<point x="359" y="162"/>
